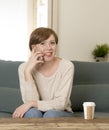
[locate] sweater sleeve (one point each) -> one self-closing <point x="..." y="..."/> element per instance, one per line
<point x="28" y="89"/>
<point x="62" y="95"/>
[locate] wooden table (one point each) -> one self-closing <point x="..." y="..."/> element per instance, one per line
<point x="72" y="123"/>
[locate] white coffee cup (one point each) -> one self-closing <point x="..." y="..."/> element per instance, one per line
<point x="89" y="109"/>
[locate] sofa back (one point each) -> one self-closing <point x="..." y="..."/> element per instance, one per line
<point x="9" y="73"/>
<point x="10" y="96"/>
<point x="91" y="72"/>
<point x="91" y="83"/>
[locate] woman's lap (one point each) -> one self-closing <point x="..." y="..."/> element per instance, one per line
<point x="35" y="113"/>
<point x="57" y="113"/>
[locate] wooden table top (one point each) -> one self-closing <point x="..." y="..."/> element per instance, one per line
<point x="71" y="123"/>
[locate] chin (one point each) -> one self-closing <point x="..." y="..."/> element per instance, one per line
<point x="48" y="59"/>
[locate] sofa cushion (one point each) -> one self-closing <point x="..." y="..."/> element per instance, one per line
<point x="98" y="93"/>
<point x="96" y="114"/>
<point x="10" y="98"/>
<point x="5" y="115"/>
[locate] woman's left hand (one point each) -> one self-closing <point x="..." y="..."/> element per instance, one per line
<point x="21" y="110"/>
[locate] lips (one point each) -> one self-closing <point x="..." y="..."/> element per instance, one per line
<point x="48" y="53"/>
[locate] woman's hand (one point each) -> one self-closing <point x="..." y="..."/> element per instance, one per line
<point x="33" y="63"/>
<point x="21" y="110"/>
<point x="34" y="60"/>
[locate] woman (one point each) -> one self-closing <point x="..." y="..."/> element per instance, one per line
<point x="45" y="80"/>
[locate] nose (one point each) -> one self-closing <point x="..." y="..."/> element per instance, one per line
<point x="48" y="46"/>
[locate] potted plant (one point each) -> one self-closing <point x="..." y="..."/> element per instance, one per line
<point x="100" y="52"/>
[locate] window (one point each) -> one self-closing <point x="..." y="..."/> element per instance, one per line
<point x="46" y="14"/>
<point x="41" y="13"/>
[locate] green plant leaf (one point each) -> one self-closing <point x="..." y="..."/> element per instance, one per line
<point x="101" y="50"/>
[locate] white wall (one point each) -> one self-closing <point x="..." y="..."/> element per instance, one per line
<point x="13" y="29"/>
<point x="82" y="25"/>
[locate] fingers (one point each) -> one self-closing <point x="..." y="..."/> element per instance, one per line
<point x="17" y="115"/>
<point x="37" y="55"/>
<point x="33" y="50"/>
<point x="37" y="51"/>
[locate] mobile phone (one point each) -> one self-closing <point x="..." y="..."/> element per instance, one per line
<point x="41" y="58"/>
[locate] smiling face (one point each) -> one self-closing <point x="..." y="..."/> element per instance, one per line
<point x="44" y="40"/>
<point x="48" y="47"/>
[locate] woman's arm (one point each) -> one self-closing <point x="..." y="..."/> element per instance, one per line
<point x="28" y="86"/>
<point x="28" y="89"/>
<point x="29" y="93"/>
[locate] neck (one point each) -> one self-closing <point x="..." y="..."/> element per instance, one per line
<point x="48" y="64"/>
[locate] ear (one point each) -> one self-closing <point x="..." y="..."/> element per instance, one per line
<point x="33" y="46"/>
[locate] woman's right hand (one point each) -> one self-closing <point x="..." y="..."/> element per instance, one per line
<point x="33" y="63"/>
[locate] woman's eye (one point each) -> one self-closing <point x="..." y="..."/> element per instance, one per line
<point x="42" y="43"/>
<point x="53" y="43"/>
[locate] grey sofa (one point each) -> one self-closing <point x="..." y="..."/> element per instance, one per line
<point x="91" y="83"/>
<point x="10" y="96"/>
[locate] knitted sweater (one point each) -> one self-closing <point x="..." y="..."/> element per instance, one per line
<point x="51" y="92"/>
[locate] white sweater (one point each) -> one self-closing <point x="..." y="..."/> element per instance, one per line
<point x="51" y="92"/>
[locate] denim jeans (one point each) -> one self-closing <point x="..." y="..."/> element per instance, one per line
<point x="35" y="113"/>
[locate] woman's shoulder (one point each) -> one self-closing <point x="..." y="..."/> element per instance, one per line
<point x="22" y="66"/>
<point x="66" y="66"/>
<point x="66" y="63"/>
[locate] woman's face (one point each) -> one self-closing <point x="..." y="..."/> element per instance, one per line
<point x="48" y="48"/>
